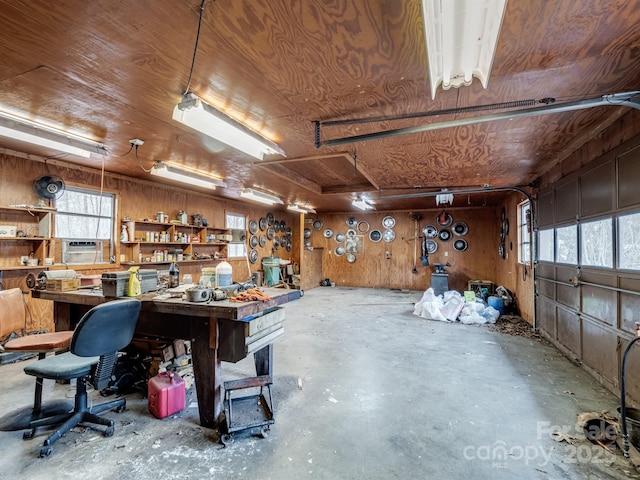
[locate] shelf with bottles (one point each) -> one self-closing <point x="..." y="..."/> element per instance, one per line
<point x="25" y="233"/>
<point x="171" y="232"/>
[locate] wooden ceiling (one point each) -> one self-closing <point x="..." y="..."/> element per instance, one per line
<point x="113" y="71"/>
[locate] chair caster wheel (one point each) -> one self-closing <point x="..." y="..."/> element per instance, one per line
<point x="121" y="408"/>
<point x="264" y="432"/>
<point x="28" y="435"/>
<point x="226" y="439"/>
<point x="109" y="431"/>
<point x="45" y="452"/>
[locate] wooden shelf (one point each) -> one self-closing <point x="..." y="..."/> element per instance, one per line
<point x="33" y="239"/>
<point x="169" y="262"/>
<point x="134" y="250"/>
<point x="24" y="267"/>
<point x="30" y="221"/>
<point x="29" y="210"/>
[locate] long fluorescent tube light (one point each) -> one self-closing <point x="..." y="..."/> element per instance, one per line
<point x="362" y="204"/>
<point x="300" y="209"/>
<point x="25" y="130"/>
<point x="195" y="113"/>
<point x="461" y="40"/>
<point x="185" y="176"/>
<point x="260" y="197"/>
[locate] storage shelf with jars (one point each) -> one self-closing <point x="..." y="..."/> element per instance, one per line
<point x="25" y="237"/>
<point x="146" y="242"/>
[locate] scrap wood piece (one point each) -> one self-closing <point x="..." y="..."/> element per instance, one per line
<point x="251" y="295"/>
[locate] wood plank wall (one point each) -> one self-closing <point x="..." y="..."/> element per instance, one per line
<point x="390" y="264"/>
<point x="518" y="278"/>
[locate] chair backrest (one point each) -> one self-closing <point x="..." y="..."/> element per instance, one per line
<point x="12" y="312"/>
<point x="104" y="330"/>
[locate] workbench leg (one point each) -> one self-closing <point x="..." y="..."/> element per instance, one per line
<point x="263" y="360"/>
<point x="207" y="371"/>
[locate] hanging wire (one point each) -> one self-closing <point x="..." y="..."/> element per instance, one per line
<point x="195" y="49"/>
<point x="138" y="160"/>
<point x="124" y="154"/>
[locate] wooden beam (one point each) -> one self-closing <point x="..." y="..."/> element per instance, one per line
<point x="362" y="187"/>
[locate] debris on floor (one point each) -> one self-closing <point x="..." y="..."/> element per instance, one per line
<point x="514" y="325"/>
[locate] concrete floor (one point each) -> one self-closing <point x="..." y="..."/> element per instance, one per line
<point x="384" y="394"/>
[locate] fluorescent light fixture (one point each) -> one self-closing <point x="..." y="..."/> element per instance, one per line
<point x="260" y="197"/>
<point x="300" y="209"/>
<point x="195" y="113"/>
<point x="444" y="198"/>
<point x="186" y="176"/>
<point x="461" y="40"/>
<point x="362" y="204"/>
<point x="25" y="130"/>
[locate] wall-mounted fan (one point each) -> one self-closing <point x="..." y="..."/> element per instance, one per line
<point x="48" y="187"/>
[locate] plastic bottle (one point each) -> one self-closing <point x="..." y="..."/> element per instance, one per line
<point x="134" y="283"/>
<point x="174" y="275"/>
<point x="124" y="236"/>
<point x="224" y="274"/>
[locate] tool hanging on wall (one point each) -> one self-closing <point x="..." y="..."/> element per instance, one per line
<point x="416" y="218"/>
<point x="425" y="256"/>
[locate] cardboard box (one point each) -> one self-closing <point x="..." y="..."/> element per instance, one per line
<point x="63" y="284"/>
<point x="8" y="230"/>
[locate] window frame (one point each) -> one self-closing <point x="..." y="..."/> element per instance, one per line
<point x="576" y="239"/>
<point x="618" y="239"/>
<point x="112" y="217"/>
<point x="582" y="238"/>
<point x="524" y="238"/>
<point x="237" y="223"/>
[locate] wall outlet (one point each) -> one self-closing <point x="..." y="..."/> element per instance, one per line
<point x="446" y="254"/>
<point x="387" y="255"/>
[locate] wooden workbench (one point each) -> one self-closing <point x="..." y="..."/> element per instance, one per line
<point x="207" y="325"/>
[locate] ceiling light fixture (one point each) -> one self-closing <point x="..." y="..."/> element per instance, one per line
<point x="260" y="197"/>
<point x="300" y="209"/>
<point x="196" y="114"/>
<point x="362" y="204"/>
<point x="186" y="176"/>
<point x="25" y="130"/>
<point x="461" y="40"/>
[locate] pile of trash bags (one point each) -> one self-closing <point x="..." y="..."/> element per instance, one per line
<point x="451" y="307"/>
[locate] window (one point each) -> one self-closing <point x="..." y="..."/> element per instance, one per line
<point x="567" y="245"/>
<point x="629" y="241"/>
<point x="546" y="249"/>
<point x="85" y="221"/>
<point x="238" y="226"/>
<point x="596" y="243"/>
<point x="524" y="232"/>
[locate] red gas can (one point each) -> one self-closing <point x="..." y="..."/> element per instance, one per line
<point x="167" y="394"/>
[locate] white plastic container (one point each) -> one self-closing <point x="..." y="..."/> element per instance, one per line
<point x="224" y="273"/>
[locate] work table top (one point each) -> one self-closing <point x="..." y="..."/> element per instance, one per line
<point x="164" y="303"/>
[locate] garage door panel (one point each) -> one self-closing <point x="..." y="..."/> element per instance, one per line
<point x="569" y="331"/>
<point x="547" y="317"/>
<point x="599" y="350"/>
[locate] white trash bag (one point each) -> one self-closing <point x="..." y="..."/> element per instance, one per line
<point x="430" y="306"/>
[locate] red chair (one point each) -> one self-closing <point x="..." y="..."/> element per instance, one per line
<point x="13" y="319"/>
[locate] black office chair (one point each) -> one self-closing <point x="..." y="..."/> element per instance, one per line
<point x="101" y="332"/>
